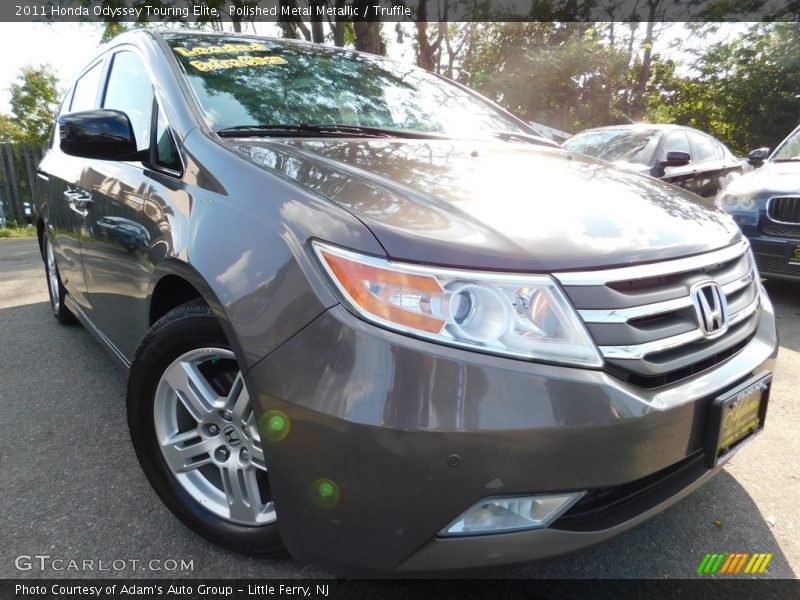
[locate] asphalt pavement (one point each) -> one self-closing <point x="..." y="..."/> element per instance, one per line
<point x="73" y="490"/>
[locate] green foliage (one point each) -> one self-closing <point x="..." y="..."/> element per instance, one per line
<point x="9" y="130"/>
<point x="13" y="232"/>
<point x="565" y="75"/>
<point x="34" y="101"/>
<point x="745" y="91"/>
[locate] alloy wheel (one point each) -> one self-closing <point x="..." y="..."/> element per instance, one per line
<point x="208" y="436"/>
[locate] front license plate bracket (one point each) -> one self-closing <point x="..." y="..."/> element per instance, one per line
<point x="735" y="418"/>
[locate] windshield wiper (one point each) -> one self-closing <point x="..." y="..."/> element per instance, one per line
<point x="338" y="130"/>
<point x="312" y="130"/>
<point x="511" y="136"/>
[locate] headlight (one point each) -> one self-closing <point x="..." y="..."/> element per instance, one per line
<point x="734" y="203"/>
<point x="525" y="316"/>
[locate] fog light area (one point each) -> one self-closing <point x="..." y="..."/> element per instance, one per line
<point x="502" y="515"/>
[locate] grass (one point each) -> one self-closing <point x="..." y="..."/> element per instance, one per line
<point x="17" y="232"/>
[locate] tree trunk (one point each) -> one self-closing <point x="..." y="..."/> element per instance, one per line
<point x="647" y="60"/>
<point x="237" y="20"/>
<point x="368" y="37"/>
<point x="424" y="49"/>
<point x="337" y="27"/>
<point x="317" y="33"/>
<point x="292" y="27"/>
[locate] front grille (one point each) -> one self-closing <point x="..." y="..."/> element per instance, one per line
<point x="651" y="382"/>
<point x="776" y="264"/>
<point x="644" y="322"/>
<point x="782" y="231"/>
<point x="784" y="210"/>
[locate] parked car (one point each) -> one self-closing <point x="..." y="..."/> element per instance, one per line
<point x="766" y="205"/>
<point x="119" y="230"/>
<point x="382" y="323"/>
<point x="678" y="155"/>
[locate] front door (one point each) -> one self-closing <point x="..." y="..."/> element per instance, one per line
<point x="113" y="241"/>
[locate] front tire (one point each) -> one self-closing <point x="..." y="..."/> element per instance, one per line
<point x="195" y="434"/>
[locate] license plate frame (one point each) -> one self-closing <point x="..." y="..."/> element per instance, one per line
<point x="736" y="418"/>
<point x="794" y="253"/>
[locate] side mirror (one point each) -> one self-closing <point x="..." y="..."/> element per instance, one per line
<point x="676" y="159"/>
<point x="758" y="156"/>
<point x="103" y="134"/>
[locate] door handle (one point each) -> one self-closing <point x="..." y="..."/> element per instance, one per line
<point x="79" y="201"/>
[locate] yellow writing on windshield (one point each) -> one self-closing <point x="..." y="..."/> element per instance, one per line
<point x="221" y="49"/>
<point x="216" y="64"/>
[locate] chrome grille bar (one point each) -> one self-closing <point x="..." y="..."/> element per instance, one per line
<point x="667" y="267"/>
<point x="640" y="351"/>
<point x="623" y="315"/>
<point x="785" y="209"/>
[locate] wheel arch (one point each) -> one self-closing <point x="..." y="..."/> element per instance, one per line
<point x="176" y="282"/>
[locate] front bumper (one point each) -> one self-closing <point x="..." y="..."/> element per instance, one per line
<point x="408" y="434"/>
<point x="777" y="257"/>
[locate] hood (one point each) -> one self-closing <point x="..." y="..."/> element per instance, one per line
<point x="494" y="205"/>
<point x="771" y="179"/>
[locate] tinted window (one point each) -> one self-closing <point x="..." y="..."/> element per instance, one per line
<point x="240" y="81"/>
<point x="676" y="142"/>
<point x="628" y="145"/>
<point x="703" y="147"/>
<point x="129" y="90"/>
<point x="85" y="95"/>
<point x="166" y="152"/>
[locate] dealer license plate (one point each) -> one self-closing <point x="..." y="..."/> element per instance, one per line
<point x="737" y="417"/>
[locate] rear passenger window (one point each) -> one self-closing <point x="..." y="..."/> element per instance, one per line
<point x="84" y="97"/>
<point x="129" y="90"/>
<point x="703" y="147"/>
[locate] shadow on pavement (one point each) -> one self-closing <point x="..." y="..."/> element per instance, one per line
<point x="785" y="295"/>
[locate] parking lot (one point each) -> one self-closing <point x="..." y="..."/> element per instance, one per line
<point x="74" y="490"/>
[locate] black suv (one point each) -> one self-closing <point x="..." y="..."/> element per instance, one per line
<point x="766" y="205"/>
<point x="679" y="155"/>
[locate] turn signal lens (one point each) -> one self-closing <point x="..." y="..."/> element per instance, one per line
<point x="517" y="315"/>
<point x="401" y="298"/>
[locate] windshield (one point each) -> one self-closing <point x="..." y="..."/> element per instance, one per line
<point x="248" y="82"/>
<point x="790" y="148"/>
<point x="628" y="145"/>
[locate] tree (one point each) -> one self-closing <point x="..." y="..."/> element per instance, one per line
<point x="565" y="75"/>
<point x="34" y="101"/>
<point x="744" y="91"/>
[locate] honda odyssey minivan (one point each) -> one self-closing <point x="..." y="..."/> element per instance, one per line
<point x="373" y="319"/>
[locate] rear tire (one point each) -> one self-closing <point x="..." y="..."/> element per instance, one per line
<point x="195" y="434"/>
<point x="55" y="287"/>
